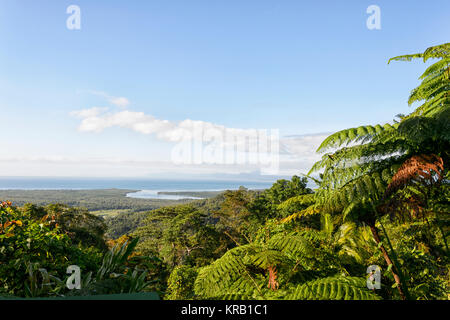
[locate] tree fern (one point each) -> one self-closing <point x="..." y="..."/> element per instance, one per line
<point x="361" y="162"/>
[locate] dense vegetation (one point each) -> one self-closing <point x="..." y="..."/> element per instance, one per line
<point x="382" y="199"/>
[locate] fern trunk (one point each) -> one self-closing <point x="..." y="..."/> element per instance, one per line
<point x="388" y="260"/>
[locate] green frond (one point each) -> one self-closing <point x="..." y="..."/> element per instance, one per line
<point x="439" y="51"/>
<point x="387" y="144"/>
<point x="292" y="244"/>
<point x="327" y="224"/>
<point x="362" y="133"/>
<point x="317" y="181"/>
<point x="304" y="199"/>
<point x="339" y="175"/>
<point x="436" y="68"/>
<point x="333" y="288"/>
<point x="435" y="84"/>
<point x="406" y="57"/>
<point x="313" y="235"/>
<point x="362" y="189"/>
<point x="231" y="264"/>
<point x="433" y="105"/>
<point x="266" y="258"/>
<point x="244" y="286"/>
<point x="313" y="209"/>
<point x="429" y="88"/>
<point x="231" y="296"/>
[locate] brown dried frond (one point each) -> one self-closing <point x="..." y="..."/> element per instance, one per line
<point x="421" y="168"/>
<point x="425" y="170"/>
<point x="273" y="283"/>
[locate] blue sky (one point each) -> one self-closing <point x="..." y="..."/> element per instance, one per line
<point x="306" y="68"/>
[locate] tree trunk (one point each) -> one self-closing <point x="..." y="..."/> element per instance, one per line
<point x="388" y="260"/>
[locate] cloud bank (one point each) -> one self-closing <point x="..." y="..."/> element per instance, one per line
<point x="98" y="119"/>
<point x="297" y="153"/>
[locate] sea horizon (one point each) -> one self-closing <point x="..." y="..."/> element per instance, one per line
<point x="143" y="184"/>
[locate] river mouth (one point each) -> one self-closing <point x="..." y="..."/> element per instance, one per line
<point x="163" y="195"/>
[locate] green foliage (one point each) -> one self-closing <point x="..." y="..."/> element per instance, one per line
<point x="277" y="262"/>
<point x="124" y="223"/>
<point x="39" y="282"/>
<point x="366" y="172"/>
<point x="422" y="257"/>
<point x="81" y="226"/>
<point x="433" y="91"/>
<point x="28" y="244"/>
<point x="37" y="244"/>
<point x="242" y="212"/>
<point x="285" y="189"/>
<point x="373" y="170"/>
<point x="234" y="216"/>
<point x="333" y="288"/>
<point x="180" y="285"/>
<point x="179" y="235"/>
<point x="115" y="258"/>
<point x="358" y="172"/>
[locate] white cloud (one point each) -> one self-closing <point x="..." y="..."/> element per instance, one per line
<point x="304" y="146"/>
<point x="121" y="102"/>
<point x="88" y="113"/>
<point x="99" y="119"/>
<point x="297" y="153"/>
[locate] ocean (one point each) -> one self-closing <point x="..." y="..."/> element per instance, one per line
<point x="146" y="188"/>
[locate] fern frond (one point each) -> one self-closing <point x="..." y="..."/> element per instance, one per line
<point x="406" y="57"/>
<point x="364" y="188"/>
<point x="306" y="212"/>
<point x="292" y="244"/>
<point x="439" y="51"/>
<point x="436" y="68"/>
<point x="266" y="258"/>
<point x="304" y="199"/>
<point x="422" y="167"/>
<point x="333" y="288"/>
<point x="362" y="133"/>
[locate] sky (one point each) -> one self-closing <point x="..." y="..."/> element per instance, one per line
<point x="117" y="97"/>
